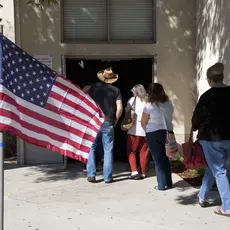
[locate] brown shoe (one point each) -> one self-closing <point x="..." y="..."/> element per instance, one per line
<point x="91" y="179"/>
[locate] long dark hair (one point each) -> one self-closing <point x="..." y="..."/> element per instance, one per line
<point x="156" y="94"/>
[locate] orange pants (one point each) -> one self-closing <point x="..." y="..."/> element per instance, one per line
<point x="136" y="143"/>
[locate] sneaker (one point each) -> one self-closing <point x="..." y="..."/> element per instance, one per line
<point x="91" y="179"/>
<point x="135" y="177"/>
<point x="108" y="181"/>
<point x="203" y="204"/>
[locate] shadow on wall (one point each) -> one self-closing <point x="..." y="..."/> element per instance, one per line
<point x="178" y="36"/>
<point x="46" y="21"/>
<point x="213" y="34"/>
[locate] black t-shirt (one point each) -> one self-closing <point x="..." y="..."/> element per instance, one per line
<point x="106" y="95"/>
<point x="211" y="116"/>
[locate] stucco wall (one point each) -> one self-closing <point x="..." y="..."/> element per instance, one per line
<point x="39" y="32"/>
<point x="176" y="34"/>
<point x="7" y="16"/>
<point x="213" y="37"/>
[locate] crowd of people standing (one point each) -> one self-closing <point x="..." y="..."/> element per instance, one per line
<point x="148" y="133"/>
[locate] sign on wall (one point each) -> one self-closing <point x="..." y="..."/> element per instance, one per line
<point x="45" y="59"/>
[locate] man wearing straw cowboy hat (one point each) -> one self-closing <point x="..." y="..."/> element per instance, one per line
<point x="108" y="97"/>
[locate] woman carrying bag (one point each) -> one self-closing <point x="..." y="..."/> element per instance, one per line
<point x="136" y="135"/>
<point x="157" y="122"/>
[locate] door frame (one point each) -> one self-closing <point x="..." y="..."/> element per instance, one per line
<point x="64" y="57"/>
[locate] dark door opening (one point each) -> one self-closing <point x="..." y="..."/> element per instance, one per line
<point x="131" y="72"/>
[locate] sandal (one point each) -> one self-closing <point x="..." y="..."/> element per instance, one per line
<point x="220" y="212"/>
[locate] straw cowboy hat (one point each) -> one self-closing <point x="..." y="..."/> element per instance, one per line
<point x="107" y="76"/>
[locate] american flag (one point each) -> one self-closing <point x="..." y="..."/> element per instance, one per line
<point x="44" y="108"/>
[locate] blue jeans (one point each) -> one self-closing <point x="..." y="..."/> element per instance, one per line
<point x="156" y="142"/>
<point x="216" y="154"/>
<point x="106" y="134"/>
<point x="99" y="152"/>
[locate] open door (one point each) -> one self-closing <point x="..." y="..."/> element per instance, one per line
<point x="131" y="72"/>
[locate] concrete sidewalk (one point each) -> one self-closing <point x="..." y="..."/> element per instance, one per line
<point x="44" y="198"/>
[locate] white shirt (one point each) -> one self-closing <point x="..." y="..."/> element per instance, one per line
<point x="160" y="116"/>
<point x="136" y="129"/>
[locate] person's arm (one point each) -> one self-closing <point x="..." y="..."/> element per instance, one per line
<point x="145" y="117"/>
<point x="119" y="110"/>
<point x="119" y="107"/>
<point x="144" y="120"/>
<point x="128" y="107"/>
<point x="198" y="114"/>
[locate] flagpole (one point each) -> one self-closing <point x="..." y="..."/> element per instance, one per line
<point x="1" y="171"/>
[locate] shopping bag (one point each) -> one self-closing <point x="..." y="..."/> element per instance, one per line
<point x="193" y="154"/>
<point x="172" y="150"/>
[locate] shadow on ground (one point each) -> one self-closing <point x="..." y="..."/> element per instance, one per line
<point x="192" y="199"/>
<point x="74" y="171"/>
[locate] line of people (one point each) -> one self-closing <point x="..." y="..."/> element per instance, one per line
<point x="153" y="123"/>
<point x="154" y="113"/>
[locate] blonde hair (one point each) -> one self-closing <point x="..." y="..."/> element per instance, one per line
<point x="139" y="91"/>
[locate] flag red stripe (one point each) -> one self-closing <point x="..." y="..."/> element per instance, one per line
<point x="54" y="109"/>
<point x="80" y="97"/>
<point x="40" y="143"/>
<point x="73" y="92"/>
<point x="15" y="117"/>
<point x="70" y="103"/>
<point x="48" y="120"/>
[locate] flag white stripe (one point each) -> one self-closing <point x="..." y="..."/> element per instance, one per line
<point x="69" y="109"/>
<point x="71" y="86"/>
<point x="74" y="99"/>
<point x="42" y="137"/>
<point x="50" y="128"/>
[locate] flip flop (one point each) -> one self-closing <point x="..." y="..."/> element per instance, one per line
<point x="221" y="212"/>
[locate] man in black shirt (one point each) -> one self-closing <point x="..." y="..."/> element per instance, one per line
<point x="109" y="99"/>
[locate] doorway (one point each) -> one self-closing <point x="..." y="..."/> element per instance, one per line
<point x="130" y="71"/>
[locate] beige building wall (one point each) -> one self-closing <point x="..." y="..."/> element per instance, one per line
<point x="213" y="38"/>
<point x="39" y="32"/>
<point x="7" y="16"/>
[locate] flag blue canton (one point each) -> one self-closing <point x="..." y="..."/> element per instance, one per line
<point x="23" y="75"/>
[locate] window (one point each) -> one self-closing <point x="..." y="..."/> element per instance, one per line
<point x="126" y="21"/>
